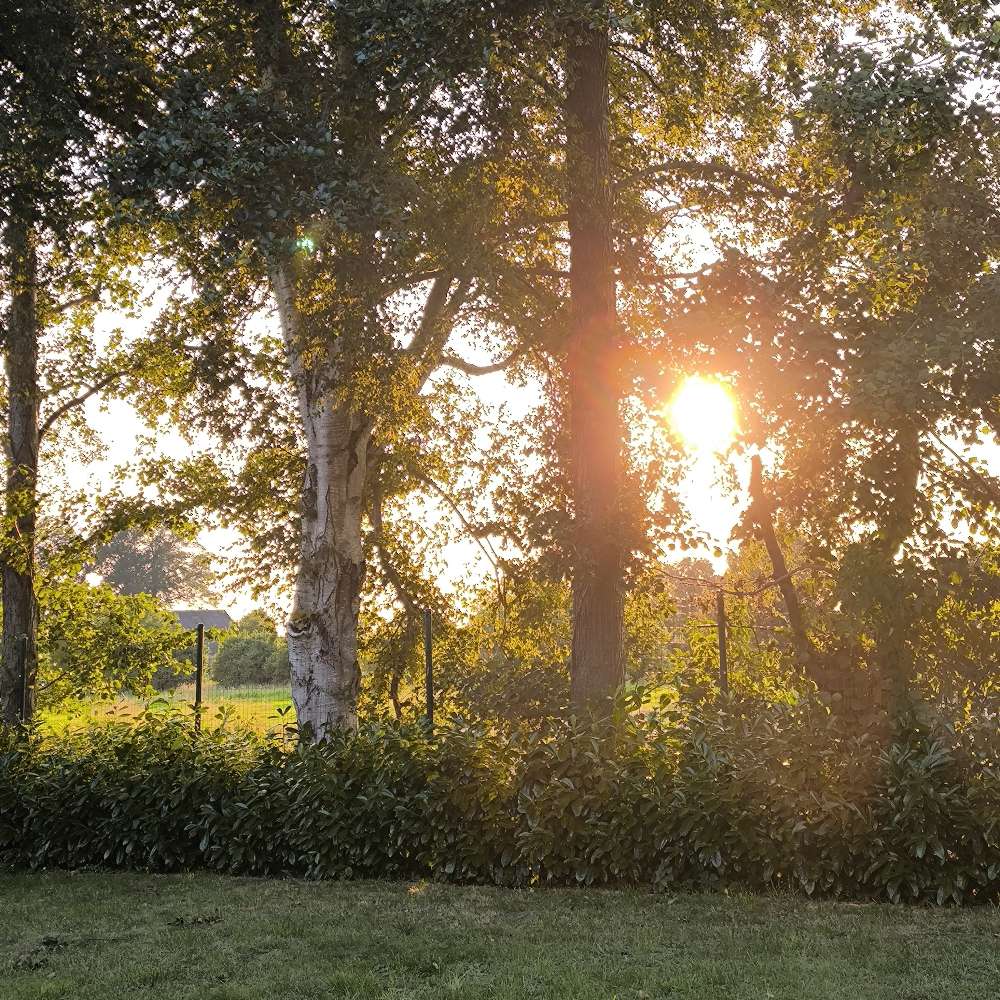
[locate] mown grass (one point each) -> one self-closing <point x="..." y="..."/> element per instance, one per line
<point x="90" y="936"/>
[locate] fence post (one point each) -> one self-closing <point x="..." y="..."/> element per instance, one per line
<point x="199" y="673"/>
<point x="428" y="668"/>
<point x="24" y="690"/>
<point x="720" y="623"/>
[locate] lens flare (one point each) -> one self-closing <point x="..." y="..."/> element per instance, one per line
<point x="703" y="415"/>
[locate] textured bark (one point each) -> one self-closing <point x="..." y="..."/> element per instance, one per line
<point x="323" y="625"/>
<point x="760" y="515"/>
<point x="895" y="527"/>
<point x="594" y="381"/>
<point x="20" y="608"/>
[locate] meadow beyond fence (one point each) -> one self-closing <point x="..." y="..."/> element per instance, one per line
<point x="745" y="796"/>
<point x="218" y="696"/>
<point x="263" y="709"/>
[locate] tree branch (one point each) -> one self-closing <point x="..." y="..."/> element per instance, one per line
<point x="644" y="70"/>
<point x="552" y="272"/>
<point x="453" y="361"/>
<point x="760" y="515"/>
<point x="88" y="298"/>
<point x="711" y="169"/>
<point x="70" y="404"/>
<point x="490" y="554"/>
<point x="440" y="312"/>
<point x="989" y="484"/>
<point x="434" y="307"/>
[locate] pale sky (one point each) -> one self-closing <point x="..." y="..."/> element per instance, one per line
<point x="119" y="427"/>
<point x="712" y="508"/>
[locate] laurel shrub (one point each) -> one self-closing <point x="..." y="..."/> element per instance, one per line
<point x="734" y="795"/>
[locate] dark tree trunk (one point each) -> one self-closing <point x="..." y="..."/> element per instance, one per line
<point x="594" y="382"/>
<point x="761" y="516"/>
<point x="894" y="609"/>
<point x="20" y="609"/>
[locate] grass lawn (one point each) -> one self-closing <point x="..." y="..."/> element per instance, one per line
<point x="90" y="936"/>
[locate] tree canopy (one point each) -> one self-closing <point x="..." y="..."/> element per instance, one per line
<point x="325" y="226"/>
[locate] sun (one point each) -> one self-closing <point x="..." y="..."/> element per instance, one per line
<point x="703" y="414"/>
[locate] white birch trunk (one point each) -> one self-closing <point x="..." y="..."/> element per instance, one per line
<point x="323" y="625"/>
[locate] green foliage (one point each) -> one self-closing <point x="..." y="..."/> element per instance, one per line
<point x="873" y="363"/>
<point x="741" y="795"/>
<point x="508" y="660"/>
<point x="253" y="654"/>
<point x="251" y="659"/>
<point x="95" y="643"/>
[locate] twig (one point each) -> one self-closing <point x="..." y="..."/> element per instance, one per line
<point x="713" y="168"/>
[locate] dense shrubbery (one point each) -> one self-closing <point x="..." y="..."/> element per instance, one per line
<point x="769" y="798"/>
<point x="251" y="659"/>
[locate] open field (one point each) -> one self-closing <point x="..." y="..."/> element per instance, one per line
<point x="264" y="709"/>
<point x="90" y="936"/>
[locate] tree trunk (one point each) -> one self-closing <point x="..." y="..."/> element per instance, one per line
<point x="322" y="628"/>
<point x="20" y="608"/>
<point x="594" y="380"/>
<point x="761" y="516"/>
<point x="323" y="625"/>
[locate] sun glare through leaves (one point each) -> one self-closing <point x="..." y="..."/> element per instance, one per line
<point x="702" y="413"/>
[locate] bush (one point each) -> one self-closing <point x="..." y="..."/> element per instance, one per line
<point x="251" y="659"/>
<point x="179" y="671"/>
<point x="744" y="797"/>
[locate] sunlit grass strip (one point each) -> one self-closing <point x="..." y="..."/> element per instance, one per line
<point x="92" y="936"/>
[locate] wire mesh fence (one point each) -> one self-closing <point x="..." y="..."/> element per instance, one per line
<point x="194" y="688"/>
<point x="261" y="708"/>
<point x="725" y="630"/>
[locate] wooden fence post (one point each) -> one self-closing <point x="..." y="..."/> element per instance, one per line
<point x="199" y="673"/>
<point x="720" y="623"/>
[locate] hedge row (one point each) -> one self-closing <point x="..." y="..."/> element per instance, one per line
<point x="759" y="799"/>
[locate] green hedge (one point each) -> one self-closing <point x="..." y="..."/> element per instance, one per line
<point x="761" y="799"/>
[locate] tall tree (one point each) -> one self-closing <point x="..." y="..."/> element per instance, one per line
<point x="593" y="368"/>
<point x="334" y="153"/>
<point x="864" y="333"/>
<point x="72" y="77"/>
<point x="158" y="562"/>
<point x="668" y="122"/>
<point x="20" y="605"/>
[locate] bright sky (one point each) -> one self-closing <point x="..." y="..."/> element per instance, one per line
<point x="703" y="413"/>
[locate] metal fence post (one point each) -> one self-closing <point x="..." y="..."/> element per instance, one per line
<point x="24" y="690"/>
<point x="720" y="623"/>
<point x="199" y="673"/>
<point x="428" y="667"/>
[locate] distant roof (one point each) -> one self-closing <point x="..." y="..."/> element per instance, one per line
<point x="209" y="617"/>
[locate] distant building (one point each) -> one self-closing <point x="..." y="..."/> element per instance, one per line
<point x="209" y="617"/>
